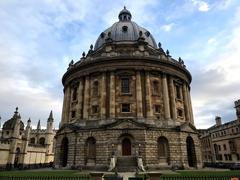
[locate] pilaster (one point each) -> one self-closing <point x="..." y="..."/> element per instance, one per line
<point x="86" y="98"/>
<point x="166" y="97"/>
<point x="172" y="98"/>
<point x="112" y="95"/>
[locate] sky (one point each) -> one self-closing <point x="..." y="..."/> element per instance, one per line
<point x="38" y="39"/>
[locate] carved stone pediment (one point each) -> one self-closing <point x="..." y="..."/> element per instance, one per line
<point x="66" y="129"/>
<point x="188" y="127"/>
<point x="126" y="124"/>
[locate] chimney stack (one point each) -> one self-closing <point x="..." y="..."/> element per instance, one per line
<point x="237" y="107"/>
<point x="218" y="120"/>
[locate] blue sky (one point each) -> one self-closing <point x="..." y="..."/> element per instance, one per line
<point x="39" y="38"/>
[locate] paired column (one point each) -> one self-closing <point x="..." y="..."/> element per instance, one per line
<point x="66" y="104"/>
<point x="139" y="95"/>
<point x="103" y="96"/>
<point x="166" y="97"/>
<point x="148" y="97"/>
<point x="112" y="96"/>
<point x="190" y="105"/>
<point x="172" y="98"/>
<point x="186" y="105"/>
<point x="86" y="99"/>
<point x="80" y="100"/>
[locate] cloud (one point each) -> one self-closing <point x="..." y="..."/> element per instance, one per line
<point x="216" y="83"/>
<point x="201" y="5"/>
<point x="168" y="27"/>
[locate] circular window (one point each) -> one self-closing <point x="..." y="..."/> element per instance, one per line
<point x="124" y="28"/>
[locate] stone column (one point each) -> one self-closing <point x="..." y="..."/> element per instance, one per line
<point x="186" y="105"/>
<point x="86" y="99"/>
<point x="103" y="97"/>
<point x="149" y="107"/>
<point x="67" y="104"/>
<point x="190" y="105"/>
<point x="80" y="100"/>
<point x="165" y="97"/>
<point x="172" y="99"/>
<point x="64" y="105"/>
<point x="139" y="95"/>
<point x="112" y="95"/>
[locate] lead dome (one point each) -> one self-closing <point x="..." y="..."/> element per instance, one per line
<point x="125" y="31"/>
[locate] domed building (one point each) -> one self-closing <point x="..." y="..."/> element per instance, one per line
<point x="26" y="147"/>
<point x="127" y="105"/>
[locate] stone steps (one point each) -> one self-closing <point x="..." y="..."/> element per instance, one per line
<point x="126" y="164"/>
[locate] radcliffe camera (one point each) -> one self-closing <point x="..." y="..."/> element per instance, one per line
<point x="134" y="105"/>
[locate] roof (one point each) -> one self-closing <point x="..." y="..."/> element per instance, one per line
<point x="125" y="30"/>
<point x="10" y="124"/>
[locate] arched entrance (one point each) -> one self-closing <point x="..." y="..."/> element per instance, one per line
<point x="17" y="157"/>
<point x="191" y="152"/>
<point x="64" y="152"/>
<point x="126" y="147"/>
<point x="163" y="150"/>
<point x="90" y="151"/>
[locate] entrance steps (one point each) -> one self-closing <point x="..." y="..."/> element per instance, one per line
<point x="126" y="164"/>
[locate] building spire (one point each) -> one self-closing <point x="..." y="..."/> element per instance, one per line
<point x="124" y="15"/>
<point x="39" y="125"/>
<point x="50" y="118"/>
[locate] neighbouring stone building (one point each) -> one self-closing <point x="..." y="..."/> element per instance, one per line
<point x="221" y="142"/>
<point x="26" y="147"/>
<point x="127" y="104"/>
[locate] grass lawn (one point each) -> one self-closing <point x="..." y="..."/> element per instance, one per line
<point x="205" y="173"/>
<point x="38" y="173"/>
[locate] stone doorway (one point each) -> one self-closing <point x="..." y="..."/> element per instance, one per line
<point x="126" y="147"/>
<point x="17" y="156"/>
<point x="64" y="152"/>
<point x="191" y="152"/>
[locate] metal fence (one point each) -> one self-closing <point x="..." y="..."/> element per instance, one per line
<point x="86" y="177"/>
<point x="44" y="178"/>
<point x="198" y="177"/>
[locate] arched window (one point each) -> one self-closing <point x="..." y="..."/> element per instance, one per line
<point x="125" y="85"/>
<point x="192" y="160"/>
<point x="163" y="147"/>
<point x="74" y="95"/>
<point x="32" y="140"/>
<point x="64" y="152"/>
<point x="91" y="148"/>
<point x="163" y="150"/>
<point x="42" y="141"/>
<point x="95" y="88"/>
<point x="155" y="88"/>
<point x="17" y="157"/>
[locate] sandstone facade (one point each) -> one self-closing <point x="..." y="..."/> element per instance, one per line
<point x="26" y="147"/>
<point x="127" y="98"/>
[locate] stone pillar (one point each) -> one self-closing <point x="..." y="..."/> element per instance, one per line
<point x="165" y="97"/>
<point x="86" y="99"/>
<point x="149" y="107"/>
<point x="103" y="97"/>
<point x="112" y="96"/>
<point x="172" y="99"/>
<point x="80" y="100"/>
<point x="139" y="95"/>
<point x="64" y="105"/>
<point x="67" y="105"/>
<point x="186" y="105"/>
<point x="190" y="105"/>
